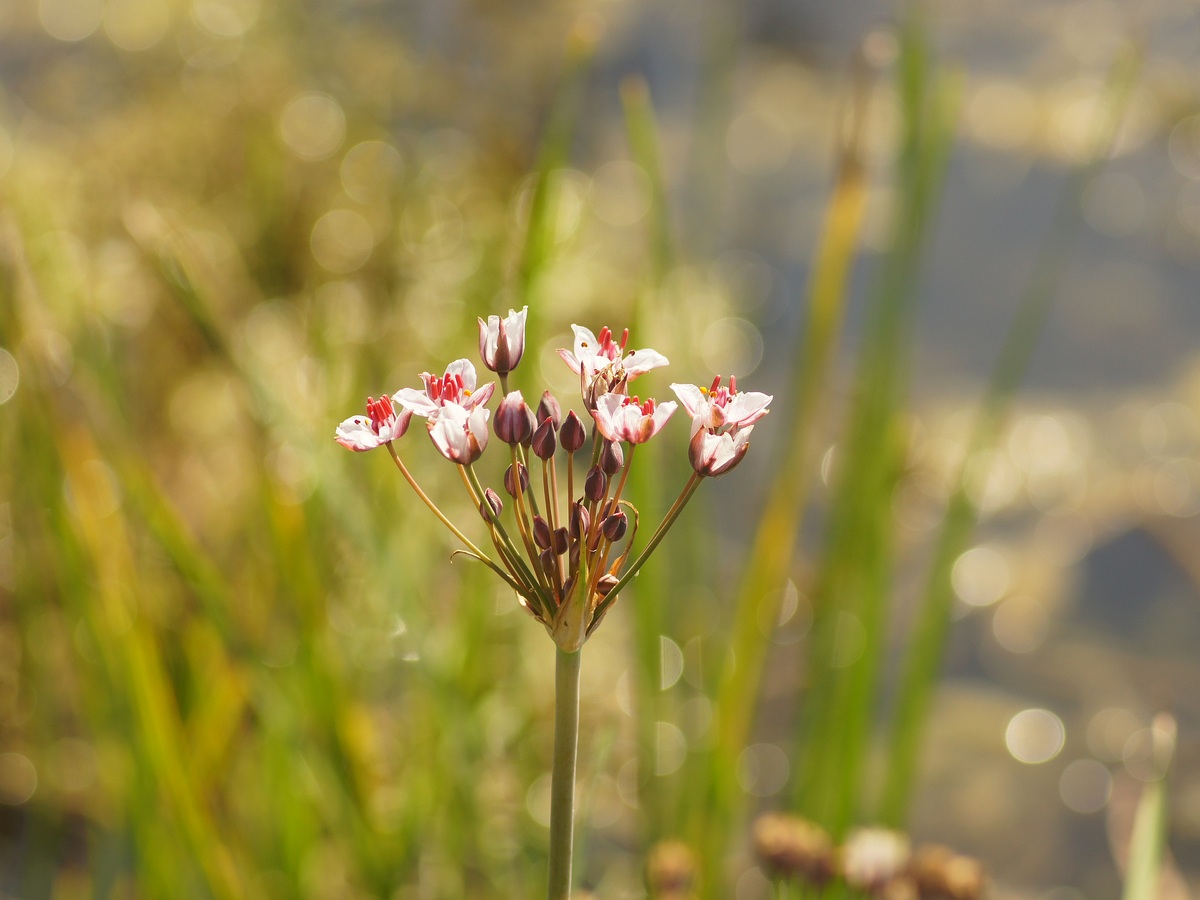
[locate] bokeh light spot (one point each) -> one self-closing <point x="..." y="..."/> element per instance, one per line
<point x="18" y="779"/>
<point x="670" y="662"/>
<point x="762" y="770"/>
<point x="980" y="576"/>
<point x="1035" y="736"/>
<point x="732" y="346"/>
<point x="70" y="20"/>
<point x="1085" y="786"/>
<point x="369" y="169"/>
<point x="135" y="25"/>
<point x="313" y="126"/>
<point x="342" y="240"/>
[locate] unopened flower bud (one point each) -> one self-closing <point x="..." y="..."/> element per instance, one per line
<point x="514" y="419"/>
<point x="579" y="521"/>
<point x="572" y="434"/>
<point x="940" y="872"/>
<point x="595" y="484"/>
<point x="871" y="857"/>
<point x="614" y="526"/>
<point x="544" y="442"/>
<point x="490" y="506"/>
<point x="549" y="563"/>
<point x="605" y="584"/>
<point x="541" y="532"/>
<point x="510" y="484"/>
<point x="549" y="409"/>
<point x="561" y="541"/>
<point x="611" y="458"/>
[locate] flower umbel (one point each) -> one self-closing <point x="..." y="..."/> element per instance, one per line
<point x="566" y="558"/>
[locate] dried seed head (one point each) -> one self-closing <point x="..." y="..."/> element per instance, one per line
<point x="791" y="847"/>
<point x="940" y="872"/>
<point x="670" y="870"/>
<point x="510" y="483"/>
<point x="871" y="857"/>
<point x="572" y="434"/>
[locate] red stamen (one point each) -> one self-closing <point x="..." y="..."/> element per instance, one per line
<point x="624" y="339"/>
<point x="732" y="385"/>
<point x="716" y="384"/>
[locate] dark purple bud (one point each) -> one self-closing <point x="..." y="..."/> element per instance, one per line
<point x="573" y="434"/>
<point x="544" y="442"/>
<point x="541" y="532"/>
<point x="595" y="485"/>
<point x="579" y="521"/>
<point x="611" y="458"/>
<point x="514" y="419"/>
<point x="510" y="485"/>
<point x="490" y="506"/>
<point x="549" y="563"/>
<point x="561" y="541"/>
<point x="549" y="409"/>
<point x="605" y="584"/>
<point x="614" y="526"/>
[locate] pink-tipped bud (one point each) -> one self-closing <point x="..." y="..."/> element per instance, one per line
<point x="614" y="526"/>
<point x="491" y="506"/>
<point x="612" y="458"/>
<point x="541" y="532"/>
<point x="510" y="483"/>
<point x="579" y="521"/>
<point x="514" y="419"/>
<point x="549" y="409"/>
<point x="544" y="442"/>
<point x="572" y="434"/>
<point x="596" y="484"/>
<point x="605" y="584"/>
<point x="561" y="541"/>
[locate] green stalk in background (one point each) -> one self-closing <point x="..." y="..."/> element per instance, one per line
<point x="850" y="595"/>
<point x="650" y="615"/>
<point x="924" y="654"/>
<point x="770" y="557"/>
<point x="1147" y="843"/>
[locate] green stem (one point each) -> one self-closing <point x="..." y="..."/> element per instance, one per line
<point x="562" y="782"/>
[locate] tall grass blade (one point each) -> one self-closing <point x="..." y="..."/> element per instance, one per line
<point x="924" y="654"/>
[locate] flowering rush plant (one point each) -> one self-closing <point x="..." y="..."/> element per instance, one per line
<point x="565" y="554"/>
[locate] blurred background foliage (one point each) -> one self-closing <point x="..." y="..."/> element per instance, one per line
<point x="237" y="661"/>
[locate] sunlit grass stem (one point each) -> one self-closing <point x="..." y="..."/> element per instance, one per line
<point x="562" y="778"/>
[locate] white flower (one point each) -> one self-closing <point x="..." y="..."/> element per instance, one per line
<point x="460" y="433"/>
<point x="381" y="425"/>
<point x="457" y="386"/>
